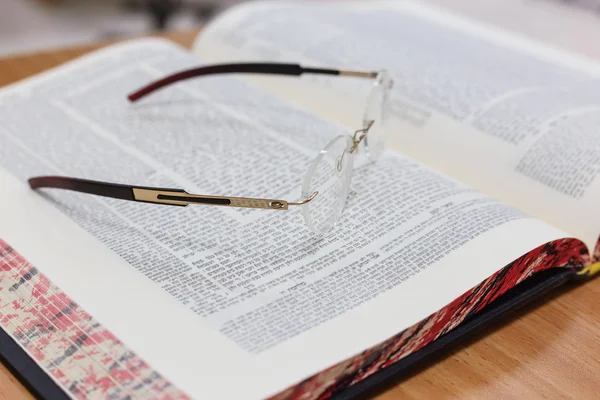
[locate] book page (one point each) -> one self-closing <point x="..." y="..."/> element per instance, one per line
<point x="578" y="20"/>
<point x="214" y="295"/>
<point x="510" y="117"/>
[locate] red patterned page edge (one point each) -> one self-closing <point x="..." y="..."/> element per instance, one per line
<point x="82" y="357"/>
<point x="88" y="361"/>
<point x="564" y="253"/>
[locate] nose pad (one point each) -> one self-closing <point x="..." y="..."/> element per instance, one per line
<point x="339" y="165"/>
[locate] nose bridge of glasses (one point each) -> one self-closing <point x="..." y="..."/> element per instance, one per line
<point x="359" y="135"/>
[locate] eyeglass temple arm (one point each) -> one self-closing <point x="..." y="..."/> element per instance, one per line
<point x="246" y="68"/>
<point x="173" y="197"/>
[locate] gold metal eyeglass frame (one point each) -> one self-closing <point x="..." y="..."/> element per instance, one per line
<point x="183" y="199"/>
<point x="179" y="197"/>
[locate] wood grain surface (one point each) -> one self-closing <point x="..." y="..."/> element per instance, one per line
<point x="551" y="349"/>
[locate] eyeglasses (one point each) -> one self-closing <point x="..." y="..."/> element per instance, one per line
<point x="326" y="183"/>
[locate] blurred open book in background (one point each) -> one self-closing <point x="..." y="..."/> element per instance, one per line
<point x="29" y="25"/>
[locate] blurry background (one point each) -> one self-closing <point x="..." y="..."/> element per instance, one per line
<point x="32" y="25"/>
<point x="28" y="25"/>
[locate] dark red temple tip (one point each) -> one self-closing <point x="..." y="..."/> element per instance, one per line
<point x="169" y="80"/>
<point x="251" y="68"/>
<point x="133" y="97"/>
<point x="46" y="181"/>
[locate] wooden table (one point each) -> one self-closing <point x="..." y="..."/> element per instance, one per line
<point x="550" y="350"/>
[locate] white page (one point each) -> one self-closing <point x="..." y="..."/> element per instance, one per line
<point x="207" y="295"/>
<point x="578" y="20"/>
<point x="508" y="116"/>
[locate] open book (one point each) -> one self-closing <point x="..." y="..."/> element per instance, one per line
<point x="489" y="180"/>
